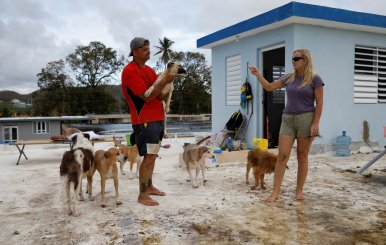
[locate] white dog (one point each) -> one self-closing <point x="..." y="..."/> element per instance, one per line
<point x="194" y="158"/>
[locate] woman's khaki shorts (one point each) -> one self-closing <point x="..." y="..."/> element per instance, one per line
<point x="296" y="125"/>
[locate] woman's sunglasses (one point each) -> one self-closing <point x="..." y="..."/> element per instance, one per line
<point x="297" y="58"/>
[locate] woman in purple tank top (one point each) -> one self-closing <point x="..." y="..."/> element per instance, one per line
<point x="301" y="116"/>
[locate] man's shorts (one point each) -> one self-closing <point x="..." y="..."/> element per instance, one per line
<point x="296" y="125"/>
<point x="148" y="137"/>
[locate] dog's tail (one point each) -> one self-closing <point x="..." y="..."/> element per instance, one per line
<point x="202" y="140"/>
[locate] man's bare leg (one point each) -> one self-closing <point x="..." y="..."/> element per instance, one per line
<point x="145" y="172"/>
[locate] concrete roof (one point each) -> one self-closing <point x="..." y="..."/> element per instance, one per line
<point x="293" y="13"/>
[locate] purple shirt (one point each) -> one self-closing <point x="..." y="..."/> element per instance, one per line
<point x="300" y="100"/>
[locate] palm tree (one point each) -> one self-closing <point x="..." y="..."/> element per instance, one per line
<point x="164" y="50"/>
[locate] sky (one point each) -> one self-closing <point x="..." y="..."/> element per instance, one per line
<point x="35" y="32"/>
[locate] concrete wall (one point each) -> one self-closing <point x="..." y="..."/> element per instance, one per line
<point x="333" y="56"/>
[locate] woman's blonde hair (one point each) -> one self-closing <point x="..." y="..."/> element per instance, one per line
<point x="308" y="73"/>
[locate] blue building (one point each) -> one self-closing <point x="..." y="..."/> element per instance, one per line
<point x="349" y="53"/>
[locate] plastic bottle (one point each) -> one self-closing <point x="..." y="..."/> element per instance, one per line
<point x="230" y="144"/>
<point x="214" y="162"/>
<point x="343" y="145"/>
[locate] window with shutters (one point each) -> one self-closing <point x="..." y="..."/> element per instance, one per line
<point x="233" y="80"/>
<point x="369" y="75"/>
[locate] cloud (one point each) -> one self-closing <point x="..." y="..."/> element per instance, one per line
<point x="35" y="32"/>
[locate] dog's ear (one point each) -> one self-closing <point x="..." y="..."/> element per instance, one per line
<point x="107" y="154"/>
<point x="74" y="138"/>
<point x="170" y="64"/>
<point x="87" y="136"/>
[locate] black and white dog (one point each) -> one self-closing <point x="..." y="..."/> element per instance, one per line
<point x="77" y="164"/>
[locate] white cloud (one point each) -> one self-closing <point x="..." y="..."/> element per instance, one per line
<point x="35" y="32"/>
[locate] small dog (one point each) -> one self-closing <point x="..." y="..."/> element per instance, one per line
<point x="172" y="71"/>
<point x="194" y="158"/>
<point x="129" y="153"/>
<point x="105" y="163"/>
<point x="75" y="165"/>
<point x="262" y="162"/>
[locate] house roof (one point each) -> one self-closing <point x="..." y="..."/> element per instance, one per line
<point x="30" y="119"/>
<point x="292" y="13"/>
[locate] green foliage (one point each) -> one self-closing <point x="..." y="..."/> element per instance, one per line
<point x="164" y="50"/>
<point x="192" y="93"/>
<point x="94" y="64"/>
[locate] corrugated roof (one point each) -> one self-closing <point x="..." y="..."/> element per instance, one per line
<point x="295" y="12"/>
<point x="62" y="118"/>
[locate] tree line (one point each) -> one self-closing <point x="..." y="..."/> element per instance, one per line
<point x="79" y="84"/>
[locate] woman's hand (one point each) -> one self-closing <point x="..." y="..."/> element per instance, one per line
<point x="314" y="130"/>
<point x="254" y="70"/>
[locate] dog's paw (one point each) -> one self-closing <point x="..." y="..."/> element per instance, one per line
<point x="103" y="205"/>
<point x="188" y="180"/>
<point x="81" y="198"/>
<point x="247" y="182"/>
<point x="195" y="186"/>
<point x="91" y="198"/>
<point x="118" y="203"/>
<point x="76" y="214"/>
<point x="123" y="173"/>
<point x="253" y="188"/>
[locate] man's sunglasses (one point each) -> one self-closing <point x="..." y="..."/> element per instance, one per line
<point x="297" y="58"/>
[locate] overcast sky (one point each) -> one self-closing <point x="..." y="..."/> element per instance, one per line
<point x="35" y="32"/>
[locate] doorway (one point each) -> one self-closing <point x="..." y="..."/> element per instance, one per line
<point x="11" y="134"/>
<point x="273" y="102"/>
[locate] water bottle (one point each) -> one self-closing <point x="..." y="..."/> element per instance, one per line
<point x="343" y="145"/>
<point x="230" y="144"/>
<point x="214" y="162"/>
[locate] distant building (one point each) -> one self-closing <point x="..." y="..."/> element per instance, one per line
<point x="34" y="128"/>
<point x="349" y="53"/>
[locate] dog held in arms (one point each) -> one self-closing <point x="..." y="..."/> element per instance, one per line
<point x="172" y="71"/>
<point x="129" y="153"/>
<point x="194" y="158"/>
<point x="77" y="164"/>
<point x="262" y="162"/>
<point x="106" y="164"/>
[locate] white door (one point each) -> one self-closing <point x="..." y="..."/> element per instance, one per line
<point x="11" y="133"/>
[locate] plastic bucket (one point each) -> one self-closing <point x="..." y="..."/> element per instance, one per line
<point x="260" y="143"/>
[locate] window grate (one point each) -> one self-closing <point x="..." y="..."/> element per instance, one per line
<point x="233" y="79"/>
<point x="369" y="75"/>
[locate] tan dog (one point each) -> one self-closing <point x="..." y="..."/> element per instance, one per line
<point x="129" y="153"/>
<point x="67" y="131"/>
<point x="262" y="162"/>
<point x="172" y="71"/>
<point x="194" y="158"/>
<point x="106" y="164"/>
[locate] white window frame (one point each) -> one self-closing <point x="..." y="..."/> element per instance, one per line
<point x="369" y="75"/>
<point x="41" y="127"/>
<point x="12" y="137"/>
<point x="233" y="80"/>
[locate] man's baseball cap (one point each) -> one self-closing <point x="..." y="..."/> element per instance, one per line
<point x="138" y="42"/>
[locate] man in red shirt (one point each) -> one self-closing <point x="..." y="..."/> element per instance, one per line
<point x="146" y="115"/>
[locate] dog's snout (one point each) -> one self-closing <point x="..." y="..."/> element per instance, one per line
<point x="181" y="70"/>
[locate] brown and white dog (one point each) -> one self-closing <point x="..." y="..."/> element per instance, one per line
<point x="75" y="165"/>
<point x="129" y="153"/>
<point x="173" y="70"/>
<point x="194" y="158"/>
<point x="262" y="162"/>
<point x="106" y="165"/>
